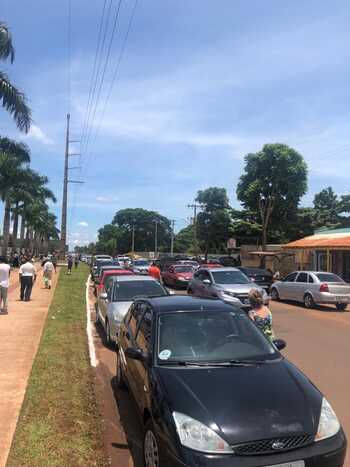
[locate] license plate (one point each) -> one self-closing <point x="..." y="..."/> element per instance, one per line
<point x="289" y="464"/>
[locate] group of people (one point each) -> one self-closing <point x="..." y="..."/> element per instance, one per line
<point x="70" y="262"/>
<point x="27" y="277"/>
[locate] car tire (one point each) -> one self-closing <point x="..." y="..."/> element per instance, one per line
<point x="308" y="301"/>
<point x="119" y="376"/>
<point x="97" y="316"/>
<point x="341" y="306"/>
<point x="151" y="455"/>
<point x="275" y="295"/>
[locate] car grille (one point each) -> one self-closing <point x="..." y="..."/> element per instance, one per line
<point x="242" y="297"/>
<point x="268" y="446"/>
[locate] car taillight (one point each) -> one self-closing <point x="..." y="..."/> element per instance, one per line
<point x="324" y="288"/>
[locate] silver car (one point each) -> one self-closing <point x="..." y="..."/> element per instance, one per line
<point x="113" y="304"/>
<point x="313" y="288"/>
<point x="228" y="284"/>
<point x="140" y="266"/>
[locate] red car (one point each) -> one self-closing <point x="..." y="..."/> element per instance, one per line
<point x="178" y="275"/>
<point x="100" y="288"/>
<point x="212" y="263"/>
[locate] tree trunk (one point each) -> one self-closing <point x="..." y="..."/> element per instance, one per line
<point x="15" y="229"/>
<point x="22" y="233"/>
<point x="6" y="229"/>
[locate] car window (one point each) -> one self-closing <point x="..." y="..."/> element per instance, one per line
<point x="109" y="288"/>
<point x="125" y="291"/>
<point x="291" y="277"/>
<point x="210" y="337"/>
<point x="302" y="277"/>
<point x="136" y="315"/>
<point x="143" y="339"/>
<point x="183" y="269"/>
<point x="328" y="277"/>
<point x="311" y="279"/>
<point x="230" y="277"/>
<point x="201" y="275"/>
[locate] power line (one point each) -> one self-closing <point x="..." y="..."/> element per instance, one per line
<point x="109" y="49"/>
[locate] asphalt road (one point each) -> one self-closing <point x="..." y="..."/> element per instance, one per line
<point x="317" y="342"/>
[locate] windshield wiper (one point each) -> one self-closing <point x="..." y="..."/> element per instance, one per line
<point x="215" y="364"/>
<point x="246" y="362"/>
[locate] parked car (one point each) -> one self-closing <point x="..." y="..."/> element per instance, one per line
<point x="140" y="266"/>
<point x="189" y="262"/>
<point x="313" y="288"/>
<point x="99" y="285"/>
<point x="178" y="275"/>
<point x="211" y="265"/>
<point x="102" y="257"/>
<point x="212" y="391"/>
<point x="120" y="291"/>
<point x="104" y="264"/>
<point x="260" y="276"/>
<point x="228" y="284"/>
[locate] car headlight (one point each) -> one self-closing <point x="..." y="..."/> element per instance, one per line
<point x="195" y="435"/>
<point x="231" y="294"/>
<point x="329" y="424"/>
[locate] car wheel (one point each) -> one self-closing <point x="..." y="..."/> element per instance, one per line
<point x="341" y="306"/>
<point x="150" y="447"/>
<point x="190" y="291"/>
<point x="97" y="316"/>
<point x="308" y="301"/>
<point x="275" y="295"/>
<point x="120" y="381"/>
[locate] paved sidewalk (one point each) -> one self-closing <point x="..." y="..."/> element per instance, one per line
<point x="20" y="333"/>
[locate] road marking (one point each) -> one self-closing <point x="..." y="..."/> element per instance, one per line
<point x="92" y="351"/>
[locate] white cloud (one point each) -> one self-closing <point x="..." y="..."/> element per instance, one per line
<point x="107" y="199"/>
<point x="83" y="224"/>
<point x="37" y="133"/>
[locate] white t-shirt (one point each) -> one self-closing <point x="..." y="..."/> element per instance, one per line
<point x="4" y="275"/>
<point x="27" y="269"/>
<point x="48" y="267"/>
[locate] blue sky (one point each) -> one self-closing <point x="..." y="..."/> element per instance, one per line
<point x="201" y="84"/>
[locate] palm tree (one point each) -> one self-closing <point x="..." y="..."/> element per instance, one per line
<point x="11" y="98"/>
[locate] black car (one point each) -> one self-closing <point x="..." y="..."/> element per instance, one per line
<point x="260" y="276"/>
<point x="96" y="269"/>
<point x="212" y="391"/>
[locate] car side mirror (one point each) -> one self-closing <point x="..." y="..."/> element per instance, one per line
<point x="206" y="282"/>
<point x="280" y="344"/>
<point x="103" y="296"/>
<point x="136" y="354"/>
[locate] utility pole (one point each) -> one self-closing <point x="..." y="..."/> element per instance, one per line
<point x="63" y="241"/>
<point x="195" y="206"/>
<point x="156" y="238"/>
<point x="172" y="237"/>
<point x="133" y="239"/>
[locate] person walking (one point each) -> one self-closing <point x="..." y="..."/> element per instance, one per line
<point x="54" y="261"/>
<point x="5" y="272"/>
<point x="48" y="270"/>
<point x="76" y="261"/>
<point x="261" y="314"/>
<point x="70" y="264"/>
<point x="154" y="271"/>
<point x="27" y="276"/>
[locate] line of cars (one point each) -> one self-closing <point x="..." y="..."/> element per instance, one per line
<point x="210" y="389"/>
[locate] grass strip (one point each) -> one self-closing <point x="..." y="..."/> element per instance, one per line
<point x="60" y="423"/>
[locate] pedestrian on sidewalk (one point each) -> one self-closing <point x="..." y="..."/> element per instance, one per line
<point x="5" y="272"/>
<point x="70" y="264"/>
<point x="261" y="314"/>
<point x="47" y="273"/>
<point x="76" y="261"/>
<point x="27" y="276"/>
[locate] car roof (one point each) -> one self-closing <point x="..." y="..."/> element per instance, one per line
<point x="110" y="272"/>
<point x="222" y="269"/>
<point x="171" y="303"/>
<point x="134" y="277"/>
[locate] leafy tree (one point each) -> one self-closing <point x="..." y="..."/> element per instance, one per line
<point x="272" y="184"/>
<point x="214" y="224"/>
<point x="245" y="227"/>
<point x="108" y="239"/>
<point x="144" y="224"/>
<point x="326" y="209"/>
<point x="183" y="242"/>
<point x="11" y="98"/>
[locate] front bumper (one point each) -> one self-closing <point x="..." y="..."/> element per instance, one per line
<point x="328" y="453"/>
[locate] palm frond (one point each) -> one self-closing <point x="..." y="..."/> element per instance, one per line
<point x="14" y="101"/>
<point x="6" y="48"/>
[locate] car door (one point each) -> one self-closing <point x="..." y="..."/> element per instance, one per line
<point x="299" y="287"/>
<point x="284" y="287"/>
<point x="129" y="340"/>
<point x="104" y="302"/>
<point x="143" y="342"/>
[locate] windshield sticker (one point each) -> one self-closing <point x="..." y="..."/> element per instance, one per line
<point x="165" y="354"/>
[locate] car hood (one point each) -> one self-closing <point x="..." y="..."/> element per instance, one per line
<point x="184" y="275"/>
<point x="246" y="403"/>
<point x="237" y="288"/>
<point x="119" y="308"/>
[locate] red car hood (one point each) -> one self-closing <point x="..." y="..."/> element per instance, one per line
<point x="184" y="275"/>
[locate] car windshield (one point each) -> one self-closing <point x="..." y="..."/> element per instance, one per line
<point x="214" y="336"/>
<point x="230" y="277"/>
<point x="183" y="269"/>
<point x="328" y="277"/>
<point x="256" y="271"/>
<point x="141" y="263"/>
<point x="125" y="291"/>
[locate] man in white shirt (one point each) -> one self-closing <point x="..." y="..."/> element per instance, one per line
<point x="4" y="284"/>
<point x="47" y="273"/>
<point x="27" y="275"/>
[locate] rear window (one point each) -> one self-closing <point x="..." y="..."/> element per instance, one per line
<point x="230" y="277"/>
<point x="126" y="291"/>
<point x="328" y="277"/>
<point x="183" y="269"/>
